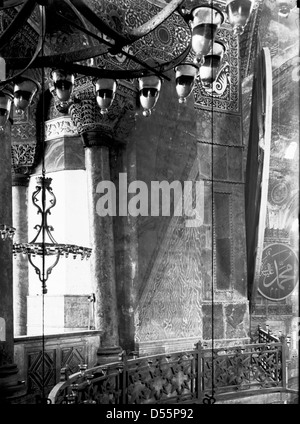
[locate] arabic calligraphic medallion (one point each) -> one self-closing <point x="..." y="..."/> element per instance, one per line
<point x="279" y="272"/>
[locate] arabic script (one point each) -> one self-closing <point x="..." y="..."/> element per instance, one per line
<point x="279" y="272"/>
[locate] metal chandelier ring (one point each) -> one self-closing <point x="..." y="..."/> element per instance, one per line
<point x="68" y="58"/>
<point x="37" y="50"/>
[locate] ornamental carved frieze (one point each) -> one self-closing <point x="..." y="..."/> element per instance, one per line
<point x="23" y="155"/>
<point x="62" y="126"/>
<point x="86" y="115"/>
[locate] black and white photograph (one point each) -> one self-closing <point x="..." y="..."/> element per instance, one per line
<point x="149" y="206"/>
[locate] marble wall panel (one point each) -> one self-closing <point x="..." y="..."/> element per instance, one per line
<point x="63" y="153"/>
<point x="219" y="128"/>
<point x="237" y="320"/>
<point x="213" y="322"/>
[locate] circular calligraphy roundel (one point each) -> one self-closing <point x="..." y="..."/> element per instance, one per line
<point x="279" y="272"/>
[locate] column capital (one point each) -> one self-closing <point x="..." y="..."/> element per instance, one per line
<point x="23" y="155"/>
<point x="96" y="138"/>
<point x="19" y="179"/>
<point x="86" y="115"/>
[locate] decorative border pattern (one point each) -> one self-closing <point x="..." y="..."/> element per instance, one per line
<point x="60" y="127"/>
<point x="23" y="154"/>
<point x="224" y="96"/>
<point x="163" y="44"/>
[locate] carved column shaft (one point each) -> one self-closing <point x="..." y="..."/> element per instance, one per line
<point x="20" y="262"/>
<point x="8" y="370"/>
<point x="126" y="247"/>
<point x="6" y="309"/>
<point x="98" y="133"/>
<point x="102" y="243"/>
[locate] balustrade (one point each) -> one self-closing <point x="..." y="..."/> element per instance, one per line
<point x="179" y="377"/>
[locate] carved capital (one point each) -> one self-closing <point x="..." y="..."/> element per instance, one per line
<point x="116" y="124"/>
<point x="23" y="155"/>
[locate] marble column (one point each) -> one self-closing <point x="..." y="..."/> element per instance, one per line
<point x="20" y="184"/>
<point x="126" y="246"/>
<point x="99" y="133"/>
<point x="102" y="243"/>
<point x="9" y="386"/>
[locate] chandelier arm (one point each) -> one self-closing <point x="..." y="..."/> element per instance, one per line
<point x="35" y="199"/>
<point x="66" y="61"/>
<point x="39" y="229"/>
<point x="46" y="212"/>
<point x="53" y="60"/>
<point x="48" y="228"/>
<point x="129" y="74"/>
<point x="36" y="53"/>
<point x="106" y="42"/>
<point x="153" y="23"/>
<point x="37" y="270"/>
<point x="11" y="3"/>
<point x="116" y="50"/>
<point x="85" y="30"/>
<point x="48" y="271"/>
<point x="52" y="201"/>
<point x="98" y="23"/>
<point x="20" y="19"/>
<point x="44" y="224"/>
<point x="48" y="231"/>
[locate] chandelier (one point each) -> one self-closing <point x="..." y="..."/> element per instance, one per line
<point x="112" y="41"/>
<point x="6" y="232"/>
<point x="107" y="41"/>
<point x="44" y="245"/>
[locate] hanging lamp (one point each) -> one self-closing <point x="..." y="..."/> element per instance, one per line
<point x="105" y="93"/>
<point x="6" y="232"/>
<point x="44" y="246"/>
<point x="211" y="65"/>
<point x="186" y="74"/>
<point x="149" y="88"/>
<point x="43" y="251"/>
<point x="24" y="90"/>
<point x="206" y="20"/>
<point x="6" y="99"/>
<point x="238" y="13"/>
